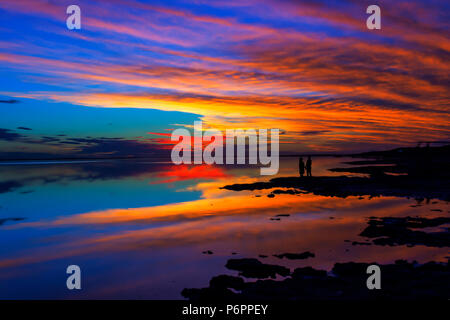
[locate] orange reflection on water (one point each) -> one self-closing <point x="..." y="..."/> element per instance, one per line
<point x="182" y="172"/>
<point x="226" y="221"/>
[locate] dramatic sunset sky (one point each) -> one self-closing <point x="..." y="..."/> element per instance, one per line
<point x="139" y="69"/>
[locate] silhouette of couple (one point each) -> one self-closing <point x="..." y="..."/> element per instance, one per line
<point x="302" y="167"/>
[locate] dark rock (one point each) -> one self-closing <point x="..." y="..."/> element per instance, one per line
<point x="226" y="281"/>
<point x="356" y="243"/>
<point x="308" y="272"/>
<point x="398" y="231"/>
<point x="253" y="268"/>
<point x="295" y="256"/>
<point x="209" y="294"/>
<point x="347" y="281"/>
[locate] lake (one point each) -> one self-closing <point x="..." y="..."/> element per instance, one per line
<point x="142" y="229"/>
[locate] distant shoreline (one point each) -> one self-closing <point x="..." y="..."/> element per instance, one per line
<point x="337" y="155"/>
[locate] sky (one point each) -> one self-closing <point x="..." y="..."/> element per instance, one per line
<point x="137" y="70"/>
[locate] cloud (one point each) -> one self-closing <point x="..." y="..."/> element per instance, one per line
<point x="8" y="186"/>
<point x="314" y="132"/>
<point x="24" y="128"/>
<point x="118" y="147"/>
<point x="10" y="101"/>
<point x="8" y="135"/>
<point x="310" y="68"/>
<point x="61" y="146"/>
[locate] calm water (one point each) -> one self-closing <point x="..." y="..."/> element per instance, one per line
<point x="138" y="229"/>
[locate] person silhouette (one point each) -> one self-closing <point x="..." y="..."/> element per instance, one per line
<point x="309" y="167"/>
<point x="301" y="166"/>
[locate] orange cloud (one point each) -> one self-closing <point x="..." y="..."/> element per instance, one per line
<point x="353" y="90"/>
